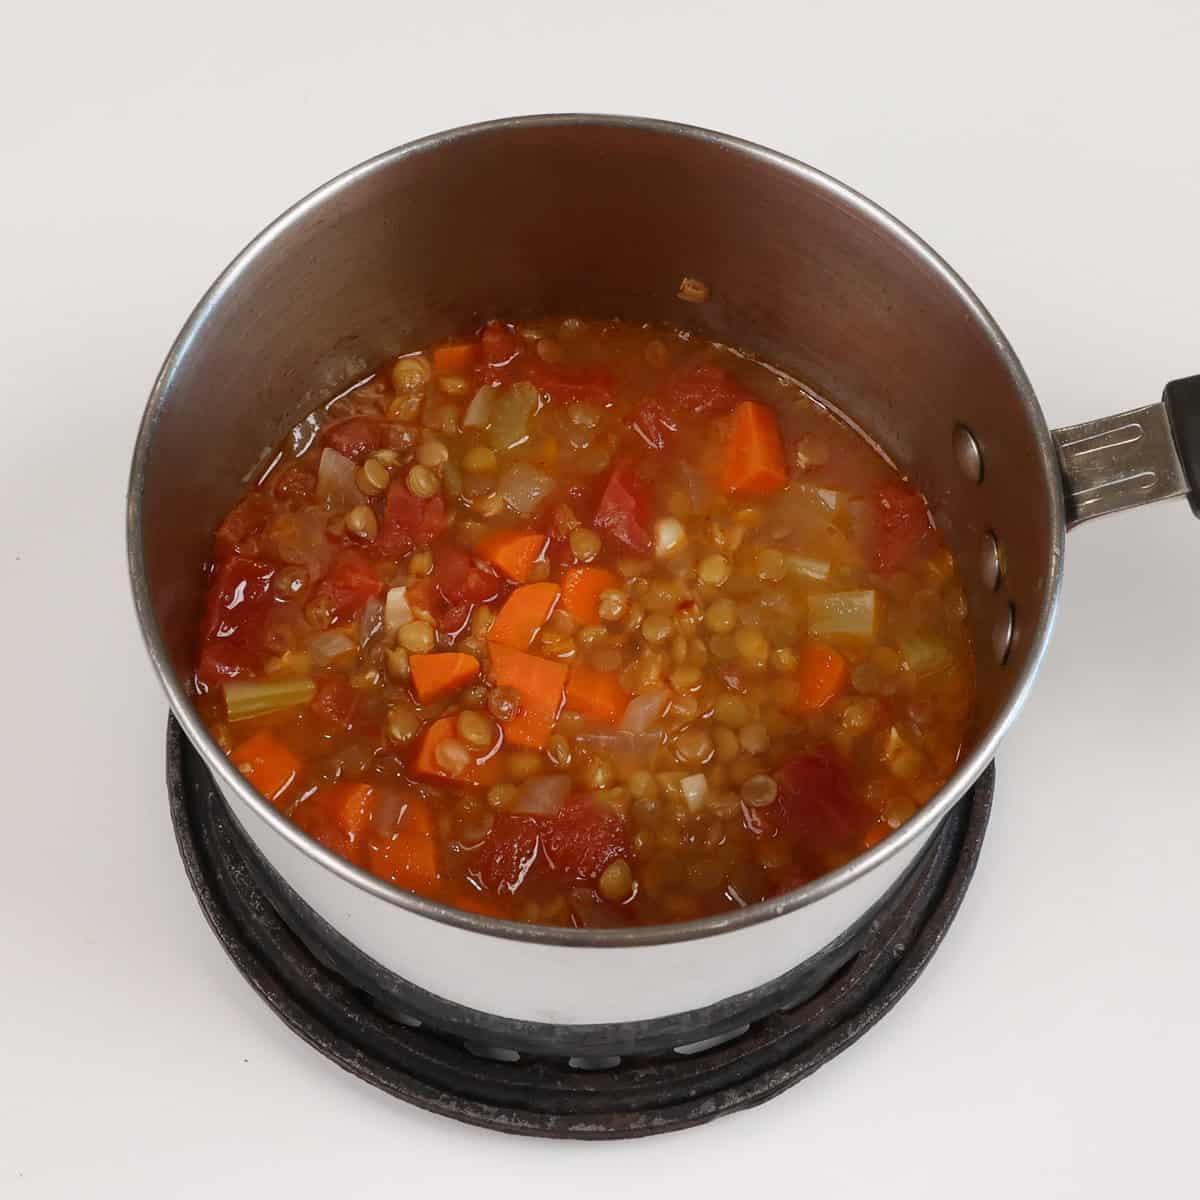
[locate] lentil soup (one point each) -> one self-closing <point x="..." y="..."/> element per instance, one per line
<point x="585" y="623"/>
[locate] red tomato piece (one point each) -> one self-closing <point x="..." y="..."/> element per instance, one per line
<point x="246" y="519"/>
<point x="238" y="601"/>
<point x="499" y="344"/>
<point x="572" y="385"/>
<point x="816" y="804"/>
<point x="508" y="853"/>
<point x="409" y="522"/>
<point x="706" y="389"/>
<point x="461" y="581"/>
<point x="295" y="482"/>
<point x="334" y="701"/>
<point x="902" y="524"/>
<point x="621" y="514"/>
<point x="355" y="437"/>
<point x="584" y="838"/>
<point x="350" y="584"/>
<point x="654" y="424"/>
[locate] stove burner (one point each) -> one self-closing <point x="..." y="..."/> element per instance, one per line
<point x="521" y="1077"/>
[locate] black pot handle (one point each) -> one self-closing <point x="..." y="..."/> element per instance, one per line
<point x="1134" y="458"/>
<point x="1182" y="400"/>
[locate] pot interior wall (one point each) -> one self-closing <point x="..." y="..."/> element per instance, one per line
<point x="601" y="219"/>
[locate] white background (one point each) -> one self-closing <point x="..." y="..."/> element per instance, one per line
<point x="1049" y="150"/>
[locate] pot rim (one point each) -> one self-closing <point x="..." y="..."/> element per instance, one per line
<point x="234" y="783"/>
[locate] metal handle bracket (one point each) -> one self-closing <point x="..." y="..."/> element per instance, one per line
<point x="1119" y="462"/>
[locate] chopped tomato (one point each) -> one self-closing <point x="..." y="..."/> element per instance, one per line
<point x="902" y="524"/>
<point x="409" y="523"/>
<point x="654" y="424"/>
<point x="499" y="344"/>
<point x="246" y="519"/>
<point x="459" y="580"/>
<point x="355" y="437"/>
<point x="238" y="600"/>
<point x="622" y="514"/>
<point x="572" y="385"/>
<point x="349" y="585"/>
<point x="334" y="701"/>
<point x="815" y="805"/>
<point x="508" y="853"/>
<point x="584" y="838"/>
<point x="706" y="389"/>
<point x="295" y="482"/>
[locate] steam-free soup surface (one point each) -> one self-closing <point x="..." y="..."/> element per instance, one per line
<point x="585" y="623"/>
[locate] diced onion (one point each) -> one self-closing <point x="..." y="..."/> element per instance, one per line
<point x="844" y="614"/>
<point x="396" y="610"/>
<point x="542" y="796"/>
<point x="370" y="620"/>
<point x="511" y="411"/>
<point x="695" y="791"/>
<point x="523" y="487"/>
<point x="808" y="568"/>
<point x="335" y="480"/>
<point x="670" y="537"/>
<point x="642" y="711"/>
<point x="619" y="743"/>
<point x="479" y="411"/>
<point x="330" y="646"/>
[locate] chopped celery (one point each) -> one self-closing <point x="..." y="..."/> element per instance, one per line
<point x="827" y="498"/>
<point x="808" y="568"/>
<point x="511" y="411"/>
<point x="925" y="654"/>
<point x="244" y="700"/>
<point x="844" y="614"/>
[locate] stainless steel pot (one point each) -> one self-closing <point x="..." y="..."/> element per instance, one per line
<point x="603" y="216"/>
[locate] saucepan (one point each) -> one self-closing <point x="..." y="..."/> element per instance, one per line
<point x="602" y="216"/>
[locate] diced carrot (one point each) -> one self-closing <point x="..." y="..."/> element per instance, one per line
<point x="425" y="763"/>
<point x="351" y="805"/>
<point x="598" y="695"/>
<point x="512" y="552"/>
<point x="455" y="358"/>
<point x="820" y="675"/>
<point x="409" y="857"/>
<point x="581" y="588"/>
<point x="753" y="462"/>
<point x="523" y="614"/>
<point x="540" y="684"/>
<point x="267" y="763"/>
<point x="437" y="675"/>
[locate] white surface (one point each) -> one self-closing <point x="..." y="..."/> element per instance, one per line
<point x="1048" y="150"/>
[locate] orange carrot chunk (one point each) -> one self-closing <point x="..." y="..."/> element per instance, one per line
<point x="540" y="684"/>
<point x="581" y="588"/>
<point x="351" y="805"/>
<point x="409" y="857"/>
<point x="267" y="763"/>
<point x="753" y="463"/>
<point x="523" y="614"/>
<point x="512" y="552"/>
<point x="455" y="358"/>
<point x="437" y="675"/>
<point x="820" y="675"/>
<point x="597" y="695"/>
<point x="425" y="762"/>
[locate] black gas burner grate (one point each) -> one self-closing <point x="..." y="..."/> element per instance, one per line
<point x="463" y="1064"/>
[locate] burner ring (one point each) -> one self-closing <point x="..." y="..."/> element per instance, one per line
<point x="591" y="1082"/>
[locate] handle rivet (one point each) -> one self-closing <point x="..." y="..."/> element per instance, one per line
<point x="966" y="451"/>
<point x="1002" y="635"/>
<point x="991" y="561"/>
